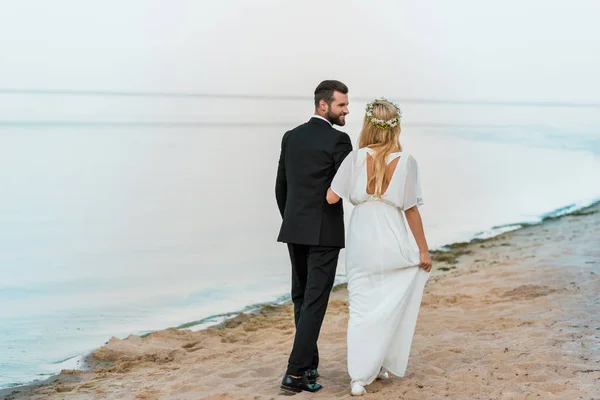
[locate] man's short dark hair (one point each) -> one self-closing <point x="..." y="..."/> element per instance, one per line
<point x="325" y="91"/>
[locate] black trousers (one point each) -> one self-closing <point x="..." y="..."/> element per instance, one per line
<point x="313" y="274"/>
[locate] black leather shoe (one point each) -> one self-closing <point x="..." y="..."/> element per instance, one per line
<point x="312" y="375"/>
<point x="296" y="385"/>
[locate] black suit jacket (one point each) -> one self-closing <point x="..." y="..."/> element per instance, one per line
<point x="310" y="156"/>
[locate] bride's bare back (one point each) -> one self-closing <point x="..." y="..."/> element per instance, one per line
<point x="387" y="178"/>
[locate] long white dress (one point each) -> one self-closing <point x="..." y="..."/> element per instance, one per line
<point x="385" y="284"/>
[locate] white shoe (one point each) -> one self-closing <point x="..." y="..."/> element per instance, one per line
<point x="358" y="390"/>
<point x="383" y="374"/>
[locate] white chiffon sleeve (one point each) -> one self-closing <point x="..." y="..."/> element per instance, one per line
<point x="342" y="181"/>
<point x="412" y="186"/>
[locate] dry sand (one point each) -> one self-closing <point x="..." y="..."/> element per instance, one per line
<point x="517" y="317"/>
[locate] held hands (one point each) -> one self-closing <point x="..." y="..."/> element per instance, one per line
<point x="425" y="261"/>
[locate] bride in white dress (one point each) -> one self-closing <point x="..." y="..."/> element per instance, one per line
<point x="386" y="266"/>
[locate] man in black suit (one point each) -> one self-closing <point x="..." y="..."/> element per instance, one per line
<point x="313" y="229"/>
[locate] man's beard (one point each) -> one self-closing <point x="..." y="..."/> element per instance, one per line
<point x="335" y="119"/>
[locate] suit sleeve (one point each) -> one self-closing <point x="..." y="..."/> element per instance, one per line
<point x="281" y="181"/>
<point x="343" y="147"/>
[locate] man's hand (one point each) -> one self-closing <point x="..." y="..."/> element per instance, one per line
<point x="425" y="262"/>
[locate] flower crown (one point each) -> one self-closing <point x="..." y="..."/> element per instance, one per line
<point x="390" y="123"/>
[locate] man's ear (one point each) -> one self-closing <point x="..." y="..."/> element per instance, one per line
<point x="323" y="106"/>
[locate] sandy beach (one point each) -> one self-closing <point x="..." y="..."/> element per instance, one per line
<point x="512" y="317"/>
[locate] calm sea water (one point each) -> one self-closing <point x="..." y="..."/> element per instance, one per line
<point x="124" y="215"/>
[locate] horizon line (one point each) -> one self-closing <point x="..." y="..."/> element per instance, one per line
<point x="247" y="124"/>
<point x="246" y="96"/>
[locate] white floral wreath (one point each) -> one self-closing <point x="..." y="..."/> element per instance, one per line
<point x="390" y="123"/>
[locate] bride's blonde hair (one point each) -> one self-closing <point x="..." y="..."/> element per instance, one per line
<point x="381" y="131"/>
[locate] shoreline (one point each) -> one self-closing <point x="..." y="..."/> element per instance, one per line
<point x="446" y="259"/>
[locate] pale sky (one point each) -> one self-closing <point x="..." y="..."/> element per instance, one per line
<point x="460" y="49"/>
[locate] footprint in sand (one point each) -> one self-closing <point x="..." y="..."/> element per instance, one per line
<point x="229" y="339"/>
<point x="192" y="347"/>
<point x="263" y="371"/>
<point x="527" y="292"/>
<point x="246" y="384"/>
<point x="147" y="395"/>
<point x="233" y="374"/>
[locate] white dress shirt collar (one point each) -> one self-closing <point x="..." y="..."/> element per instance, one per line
<point x="324" y="119"/>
